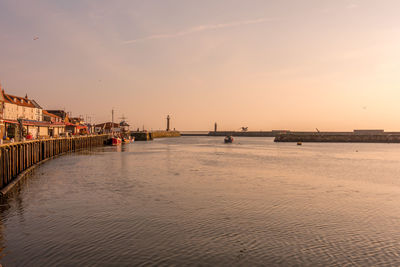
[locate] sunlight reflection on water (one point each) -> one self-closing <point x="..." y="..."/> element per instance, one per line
<point x="195" y="200"/>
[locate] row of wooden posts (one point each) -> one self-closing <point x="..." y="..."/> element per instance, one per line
<point x="17" y="157"/>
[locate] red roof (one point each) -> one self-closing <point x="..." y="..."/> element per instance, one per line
<point x="17" y="100"/>
<point x="51" y="114"/>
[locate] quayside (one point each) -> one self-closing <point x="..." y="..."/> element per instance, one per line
<point x="17" y="158"/>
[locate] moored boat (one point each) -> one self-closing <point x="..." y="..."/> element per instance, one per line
<point x="128" y="140"/>
<point x="228" y="139"/>
<point x="116" y="141"/>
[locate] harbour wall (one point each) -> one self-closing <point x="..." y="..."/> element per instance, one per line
<point x="141" y="136"/>
<point x="266" y="133"/>
<point x="16" y="159"/>
<point x="162" y="134"/>
<point x="147" y="136"/>
<point x="248" y="134"/>
<point x="340" y="138"/>
<point x="195" y="134"/>
<point x="276" y="133"/>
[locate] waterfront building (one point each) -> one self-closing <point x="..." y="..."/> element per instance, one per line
<point x="60" y="113"/>
<point x="75" y="129"/>
<point x="76" y="125"/>
<point x="107" y="128"/>
<point x="24" y="117"/>
<point x="76" y="120"/>
<point x="56" y="126"/>
<point x="2" y="126"/>
<point x="49" y="117"/>
<point x="16" y="107"/>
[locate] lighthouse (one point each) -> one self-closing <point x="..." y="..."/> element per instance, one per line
<point x="168" y="119"/>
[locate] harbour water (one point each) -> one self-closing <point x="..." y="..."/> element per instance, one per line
<point x="198" y="201"/>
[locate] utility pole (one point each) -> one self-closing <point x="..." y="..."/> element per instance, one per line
<point x="215" y="127"/>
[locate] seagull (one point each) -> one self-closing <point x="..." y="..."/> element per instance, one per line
<point x="35" y="38"/>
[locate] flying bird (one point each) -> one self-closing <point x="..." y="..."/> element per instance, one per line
<point x="35" y="38"/>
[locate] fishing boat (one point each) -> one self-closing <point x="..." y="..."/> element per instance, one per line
<point x="115" y="141"/>
<point x="228" y="139"/>
<point x="128" y="140"/>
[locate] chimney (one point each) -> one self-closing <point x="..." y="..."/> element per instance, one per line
<point x="26" y="96"/>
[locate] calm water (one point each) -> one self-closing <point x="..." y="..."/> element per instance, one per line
<point x="197" y="201"/>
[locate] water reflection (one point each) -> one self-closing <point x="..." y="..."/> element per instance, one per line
<point x="196" y="201"/>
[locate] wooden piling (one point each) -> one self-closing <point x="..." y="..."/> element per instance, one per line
<point x="16" y="158"/>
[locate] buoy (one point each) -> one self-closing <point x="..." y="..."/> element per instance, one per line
<point x="299" y="143"/>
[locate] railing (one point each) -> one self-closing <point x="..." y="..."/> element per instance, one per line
<point x="17" y="157"/>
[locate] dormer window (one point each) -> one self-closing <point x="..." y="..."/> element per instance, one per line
<point x="22" y="101"/>
<point x="15" y="99"/>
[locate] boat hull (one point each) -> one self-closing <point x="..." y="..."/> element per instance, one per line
<point x="228" y="139"/>
<point x="115" y="141"/>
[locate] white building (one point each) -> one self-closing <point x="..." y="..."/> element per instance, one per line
<point x="16" y="107"/>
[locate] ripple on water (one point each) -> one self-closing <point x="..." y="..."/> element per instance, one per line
<point x="194" y="201"/>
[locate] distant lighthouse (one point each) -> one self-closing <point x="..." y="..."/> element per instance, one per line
<point x="168" y="119"/>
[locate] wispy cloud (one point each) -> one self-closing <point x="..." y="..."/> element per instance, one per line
<point x="200" y="28"/>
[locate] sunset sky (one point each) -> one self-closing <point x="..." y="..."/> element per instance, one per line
<point x="300" y="65"/>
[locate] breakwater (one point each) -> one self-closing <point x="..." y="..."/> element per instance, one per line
<point x="248" y="134"/>
<point x="275" y="133"/>
<point x="147" y="136"/>
<point x="163" y="134"/>
<point x="17" y="158"/>
<point x="339" y="138"/>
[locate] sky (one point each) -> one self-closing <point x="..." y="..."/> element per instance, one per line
<point x="298" y="64"/>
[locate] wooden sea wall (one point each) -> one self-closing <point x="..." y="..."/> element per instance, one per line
<point x="339" y="138"/>
<point x="15" y="158"/>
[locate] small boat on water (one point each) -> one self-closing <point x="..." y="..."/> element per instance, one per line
<point x="128" y="140"/>
<point x="228" y="139"/>
<point x="115" y="141"/>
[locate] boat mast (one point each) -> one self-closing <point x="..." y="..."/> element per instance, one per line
<point x="112" y="121"/>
